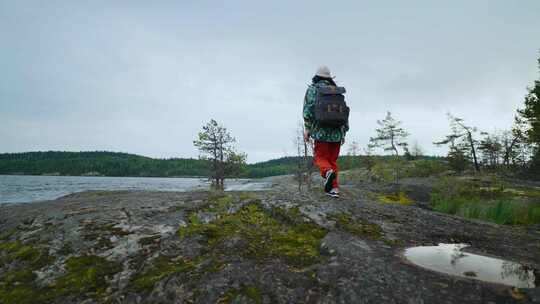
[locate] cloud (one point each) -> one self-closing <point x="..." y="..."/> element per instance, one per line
<point x="141" y="78"/>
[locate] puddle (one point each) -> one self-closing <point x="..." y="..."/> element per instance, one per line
<point x="450" y="259"/>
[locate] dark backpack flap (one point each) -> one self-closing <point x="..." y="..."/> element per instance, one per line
<point x="331" y="90"/>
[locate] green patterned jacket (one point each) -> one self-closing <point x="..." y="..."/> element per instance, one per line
<point x="317" y="132"/>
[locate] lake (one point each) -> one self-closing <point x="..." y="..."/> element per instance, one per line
<point x="28" y="188"/>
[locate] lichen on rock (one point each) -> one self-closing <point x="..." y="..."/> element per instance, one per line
<point x="85" y="275"/>
<point x="358" y="227"/>
<point x="160" y="268"/>
<point x="267" y="237"/>
<point x="19" y="261"/>
<point x="396" y="198"/>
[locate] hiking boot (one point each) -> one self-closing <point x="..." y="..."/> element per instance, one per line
<point x="330" y="176"/>
<point x="333" y="193"/>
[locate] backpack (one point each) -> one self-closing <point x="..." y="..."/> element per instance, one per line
<point x="330" y="107"/>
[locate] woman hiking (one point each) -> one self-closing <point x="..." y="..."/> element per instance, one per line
<point x="326" y="121"/>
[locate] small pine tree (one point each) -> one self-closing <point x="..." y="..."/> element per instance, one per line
<point x="217" y="145"/>
<point x="391" y="137"/>
<point x="461" y="138"/>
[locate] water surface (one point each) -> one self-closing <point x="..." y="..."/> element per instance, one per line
<point x="450" y="259"/>
<point x="27" y="188"/>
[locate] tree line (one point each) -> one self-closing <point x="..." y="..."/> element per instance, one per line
<point x="98" y="163"/>
<point x="104" y="163"/>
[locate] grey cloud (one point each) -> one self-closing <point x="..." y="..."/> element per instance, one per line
<point x="142" y="78"/>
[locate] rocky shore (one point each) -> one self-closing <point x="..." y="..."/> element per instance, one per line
<point x="272" y="246"/>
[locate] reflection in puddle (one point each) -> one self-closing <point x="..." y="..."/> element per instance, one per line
<point x="448" y="258"/>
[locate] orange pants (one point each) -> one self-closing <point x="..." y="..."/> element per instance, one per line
<point x="326" y="155"/>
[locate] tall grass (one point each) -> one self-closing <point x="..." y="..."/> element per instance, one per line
<point x="505" y="212"/>
<point x="466" y="199"/>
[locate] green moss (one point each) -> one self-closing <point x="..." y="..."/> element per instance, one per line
<point x="5" y="235"/>
<point x="161" y="268"/>
<point x="11" y="251"/>
<point x="18" y="276"/>
<point x="267" y="237"/>
<point x="17" y="285"/>
<point x="9" y="246"/>
<point x="20" y="294"/>
<point x="66" y="249"/>
<point x="288" y="215"/>
<point x="356" y="226"/>
<point x="252" y="292"/>
<point x="398" y="198"/>
<point x="85" y="275"/>
<point x="219" y="203"/>
<point x="26" y="253"/>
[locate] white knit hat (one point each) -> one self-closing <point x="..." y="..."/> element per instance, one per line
<point x="324" y="71"/>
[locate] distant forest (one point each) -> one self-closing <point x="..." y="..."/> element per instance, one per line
<point x="97" y="163"/>
<point x="124" y="164"/>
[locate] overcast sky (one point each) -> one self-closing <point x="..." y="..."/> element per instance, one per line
<point x="144" y="76"/>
